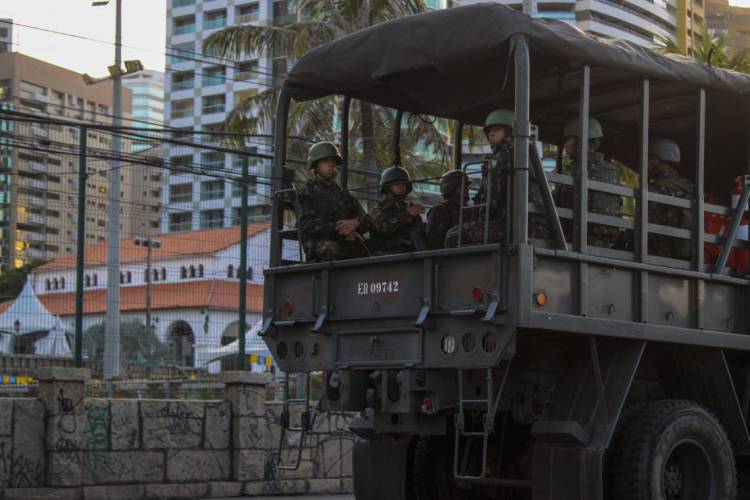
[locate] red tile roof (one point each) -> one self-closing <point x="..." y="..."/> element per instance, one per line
<point x="172" y="244"/>
<point x="212" y="294"/>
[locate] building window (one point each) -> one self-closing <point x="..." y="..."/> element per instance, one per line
<point x="122" y="278"/>
<point x="213" y="159"/>
<point x="200" y="270"/>
<point x="48" y="285"/>
<point x="212" y="190"/>
<point x="163" y="274"/>
<point x="213" y="103"/>
<point x="249" y="274"/>
<point x="182" y="52"/>
<point x="183" y="81"/>
<point x="182" y="108"/>
<point x="182" y="25"/>
<point x="182" y="3"/>
<point x="182" y="221"/>
<point x="183" y="272"/>
<point x="246" y="13"/>
<point x="182" y="160"/>
<point x="230" y="271"/>
<point x="214" y="76"/>
<point x="155" y="275"/>
<point x="95" y="280"/>
<point x="214" y="19"/>
<point x="247" y="70"/>
<point x="192" y="271"/>
<point x="130" y="277"/>
<point x="212" y="219"/>
<point x="87" y="281"/>
<point x="62" y="283"/>
<point x="180" y="193"/>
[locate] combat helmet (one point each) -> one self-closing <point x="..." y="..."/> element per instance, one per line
<point x="573" y="128"/>
<point x="321" y="150"/>
<point x="665" y="149"/>
<point x="394" y="174"/>
<point x="499" y="117"/>
<point x="451" y="181"/>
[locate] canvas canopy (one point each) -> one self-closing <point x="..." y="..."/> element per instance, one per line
<point x="26" y="315"/>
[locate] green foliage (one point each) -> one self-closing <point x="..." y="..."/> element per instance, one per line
<point x="137" y="346"/>
<point x="12" y="280"/>
<point x="717" y="47"/>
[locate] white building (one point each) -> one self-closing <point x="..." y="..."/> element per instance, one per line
<point x="6" y="35"/>
<point x="194" y="288"/>
<point x="147" y="87"/>
<point x="199" y="92"/>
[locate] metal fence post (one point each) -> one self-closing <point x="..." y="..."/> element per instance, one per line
<point x="80" y="245"/>
<point x="242" y="274"/>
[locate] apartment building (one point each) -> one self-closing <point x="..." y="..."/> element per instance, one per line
<point x="147" y="87"/>
<point x="729" y="20"/>
<point x="39" y="164"/>
<point x="199" y="92"/>
<point x="6" y="35"/>
<point x="638" y="21"/>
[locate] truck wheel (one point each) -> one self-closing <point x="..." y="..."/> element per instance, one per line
<point x="433" y="470"/>
<point x="672" y="450"/>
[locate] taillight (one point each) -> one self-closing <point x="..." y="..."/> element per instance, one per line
<point x="477" y="294"/>
<point x="287" y="308"/>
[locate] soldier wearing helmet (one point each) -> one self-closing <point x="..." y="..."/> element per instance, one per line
<point x="331" y="221"/>
<point x="599" y="169"/>
<point x="396" y="224"/>
<point x="445" y="214"/>
<point x="663" y="178"/>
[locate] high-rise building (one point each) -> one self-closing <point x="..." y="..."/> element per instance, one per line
<point x="199" y="92"/>
<point x="638" y="21"/>
<point x="6" y="35"/>
<point x="147" y="87"/>
<point x="39" y="163"/>
<point x="729" y="20"/>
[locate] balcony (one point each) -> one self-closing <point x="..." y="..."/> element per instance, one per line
<point x="29" y="218"/>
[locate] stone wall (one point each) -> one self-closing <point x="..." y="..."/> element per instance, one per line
<point x="64" y="446"/>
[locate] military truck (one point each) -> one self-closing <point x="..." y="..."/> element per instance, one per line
<point x="542" y="369"/>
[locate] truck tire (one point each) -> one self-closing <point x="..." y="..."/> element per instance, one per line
<point x="433" y="469"/>
<point x="672" y="449"/>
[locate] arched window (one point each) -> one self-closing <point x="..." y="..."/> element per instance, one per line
<point x="183" y="272"/>
<point x="122" y="278"/>
<point x="192" y="271"/>
<point x="163" y="274"/>
<point x="155" y="275"/>
<point x="88" y="280"/>
<point x="95" y="280"/>
<point x="48" y="285"/>
<point x="62" y="283"/>
<point x="130" y="277"/>
<point x="55" y="284"/>
<point x="230" y="271"/>
<point x="200" y="270"/>
<point x="249" y="274"/>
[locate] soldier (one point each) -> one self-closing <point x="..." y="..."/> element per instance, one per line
<point x="445" y="214"/>
<point x="396" y="224"/>
<point x="499" y="130"/>
<point x="663" y="178"/>
<point x="600" y="170"/>
<point x="331" y="220"/>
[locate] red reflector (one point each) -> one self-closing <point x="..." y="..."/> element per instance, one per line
<point x="288" y="308"/>
<point x="427" y="403"/>
<point x="477" y="294"/>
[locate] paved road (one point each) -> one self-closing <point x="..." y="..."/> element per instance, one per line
<point x="299" y="497"/>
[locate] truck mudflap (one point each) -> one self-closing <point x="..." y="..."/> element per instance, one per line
<point x="382" y="468"/>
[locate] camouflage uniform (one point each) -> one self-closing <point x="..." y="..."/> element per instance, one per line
<point x="599" y="170"/>
<point x="669" y="183"/>
<point x="440" y="219"/>
<point x="501" y="163"/>
<point x="320" y="208"/>
<point x="393" y="229"/>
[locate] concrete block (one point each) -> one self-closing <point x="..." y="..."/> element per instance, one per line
<point x="65" y="432"/>
<point x="244" y="377"/>
<point x="43" y="494"/>
<point x="202" y="465"/>
<point x="6" y="459"/>
<point x="176" y="491"/>
<point x="328" y="458"/>
<point x="254" y="432"/>
<point x="172" y="432"/>
<point x="62" y="398"/>
<point x="6" y="416"/>
<point x="323" y="486"/>
<point x="347" y="485"/>
<point x="304" y="471"/>
<point x="224" y="489"/>
<point x="173" y="409"/>
<point x="110" y="492"/>
<point x="123" y="467"/>
<point x="62" y="374"/>
<point x="246" y="400"/>
<point x="289" y="487"/>
<point x="64" y="468"/>
<point x="124" y="429"/>
<point x="347" y="454"/>
<point x="28" y="462"/>
<point x="218" y="425"/>
<point x="250" y="465"/>
<point x="96" y="431"/>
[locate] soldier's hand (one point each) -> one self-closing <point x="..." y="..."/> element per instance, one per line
<point x="414" y="209"/>
<point x="347" y="226"/>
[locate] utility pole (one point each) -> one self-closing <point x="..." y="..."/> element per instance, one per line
<point x="112" y="326"/>
<point x="149" y="244"/>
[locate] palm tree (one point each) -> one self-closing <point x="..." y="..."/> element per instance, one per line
<point x="714" y="47"/>
<point x="320" y="22"/>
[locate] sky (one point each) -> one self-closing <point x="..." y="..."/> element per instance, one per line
<point x="143" y="32"/>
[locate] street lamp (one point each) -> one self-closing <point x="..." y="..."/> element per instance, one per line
<point x="149" y="244"/>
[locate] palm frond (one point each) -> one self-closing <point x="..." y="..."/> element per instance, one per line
<point x="292" y="40"/>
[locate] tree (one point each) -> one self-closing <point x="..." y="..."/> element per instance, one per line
<point x="137" y="346"/>
<point x="320" y="22"/>
<point x="12" y="281"/>
<point x="714" y="47"/>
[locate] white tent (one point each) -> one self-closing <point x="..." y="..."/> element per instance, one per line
<point x="25" y="315"/>
<point x="55" y="343"/>
<point x="253" y="345"/>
